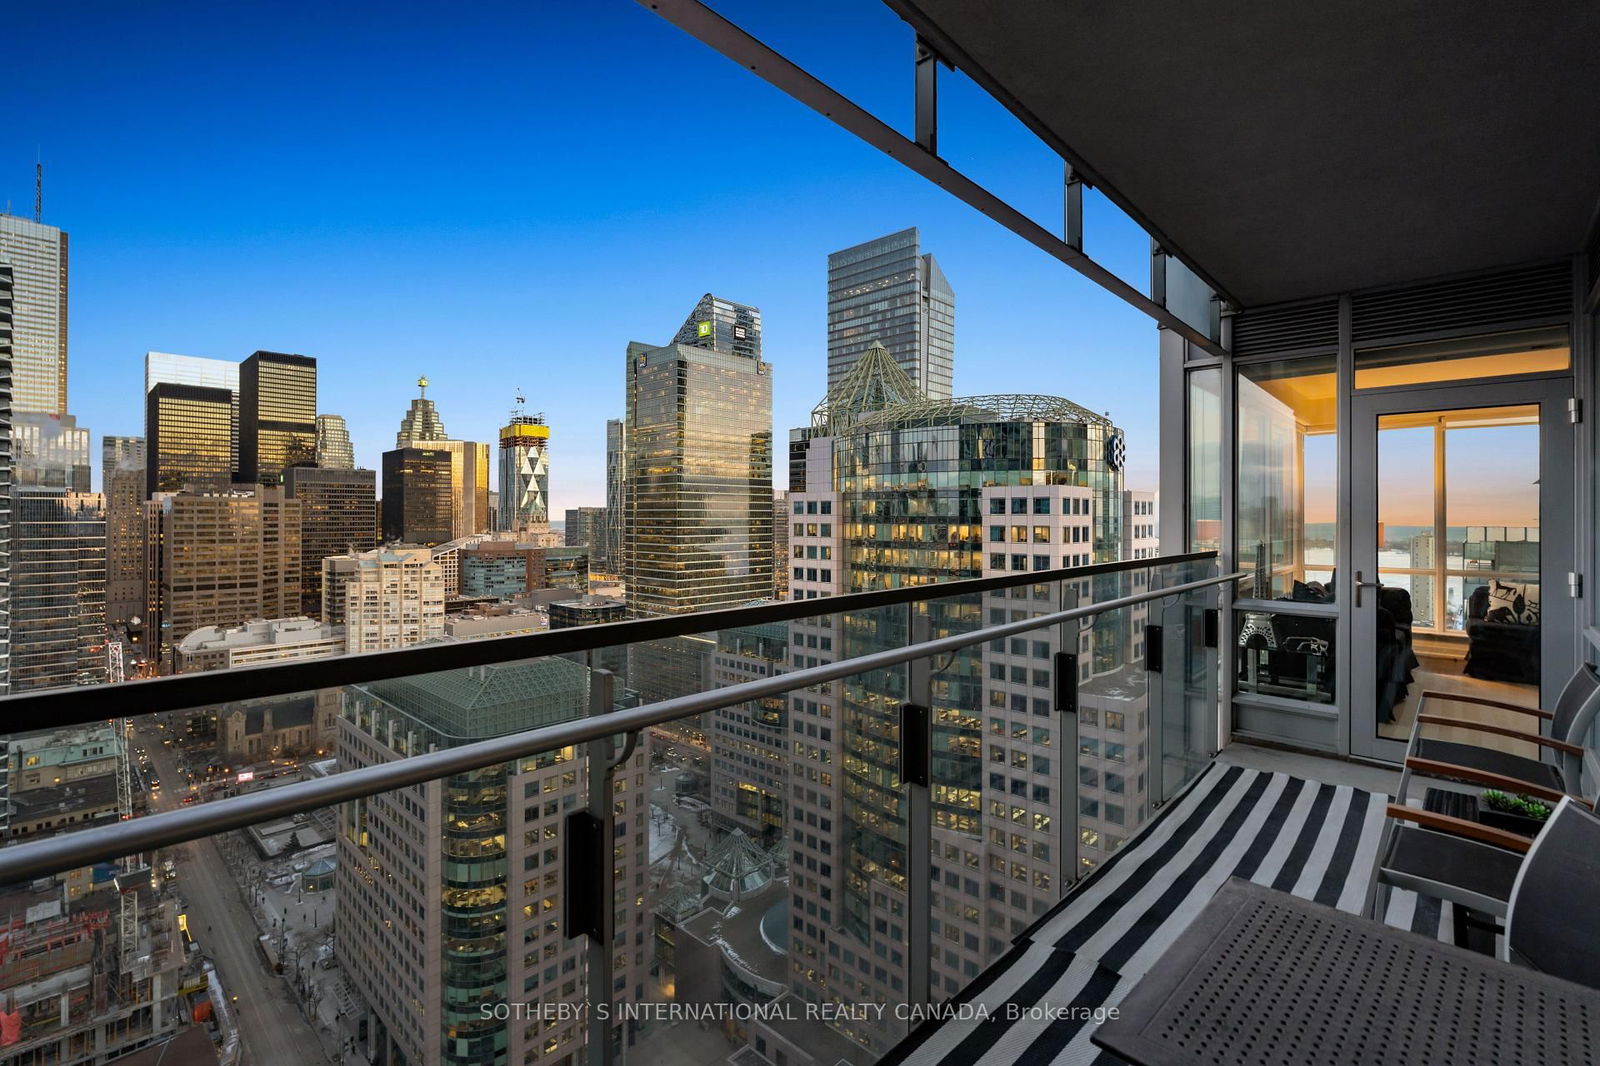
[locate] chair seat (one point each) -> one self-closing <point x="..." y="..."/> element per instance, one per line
<point x="1451" y="867"/>
<point x="1491" y="761"/>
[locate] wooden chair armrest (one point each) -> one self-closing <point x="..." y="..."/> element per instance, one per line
<point x="1486" y="834"/>
<point x="1482" y="701"/>
<point x="1501" y="730"/>
<point x="1435" y="768"/>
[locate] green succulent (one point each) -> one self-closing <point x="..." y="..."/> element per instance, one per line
<point x="1526" y="806"/>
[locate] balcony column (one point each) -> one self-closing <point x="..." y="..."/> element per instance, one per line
<point x="916" y="757"/>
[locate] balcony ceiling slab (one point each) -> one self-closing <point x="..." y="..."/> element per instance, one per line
<point x="1295" y="149"/>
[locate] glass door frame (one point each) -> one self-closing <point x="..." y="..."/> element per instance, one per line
<point x="1558" y="490"/>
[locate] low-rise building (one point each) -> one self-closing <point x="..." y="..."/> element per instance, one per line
<point x="276" y="640"/>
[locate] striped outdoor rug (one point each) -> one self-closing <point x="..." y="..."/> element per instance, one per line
<point x="1315" y="840"/>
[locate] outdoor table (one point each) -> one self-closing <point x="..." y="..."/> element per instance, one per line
<point x="1262" y="977"/>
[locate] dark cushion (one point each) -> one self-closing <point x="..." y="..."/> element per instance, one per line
<point x="1480" y="868"/>
<point x="1491" y="761"/>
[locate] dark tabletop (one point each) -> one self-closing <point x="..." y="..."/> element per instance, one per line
<point x="1265" y="978"/>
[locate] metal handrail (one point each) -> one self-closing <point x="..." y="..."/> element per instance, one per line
<point x="76" y="849"/>
<point x="55" y="708"/>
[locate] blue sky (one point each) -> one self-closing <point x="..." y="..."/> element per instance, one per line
<point x="503" y="195"/>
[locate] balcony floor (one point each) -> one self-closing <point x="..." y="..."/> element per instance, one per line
<point x="1299" y="823"/>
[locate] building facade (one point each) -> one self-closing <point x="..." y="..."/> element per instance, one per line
<point x="220" y="559"/>
<point x="418" y="496"/>
<point x="338" y="510"/>
<point x="886" y="290"/>
<point x="334" y="450"/>
<point x="277" y="415"/>
<point x="449" y="894"/>
<point x="616" y="499"/>
<point x="421" y="423"/>
<point x="385" y="598"/>
<point x="524" y="473"/>
<point x="37" y="255"/>
<point x="256" y="643"/>
<point x="698" y="516"/>
<point x="58" y="588"/>
<point x="7" y="301"/>
<point x="585" y="527"/>
<point x="51" y="450"/>
<point x="173" y="369"/>
<point x="189" y="438"/>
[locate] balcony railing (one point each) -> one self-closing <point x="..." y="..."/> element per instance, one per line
<point x="917" y="772"/>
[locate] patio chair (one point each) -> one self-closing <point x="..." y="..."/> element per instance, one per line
<point x="1484" y="869"/>
<point x="1560" y="767"/>
<point x="1550" y="921"/>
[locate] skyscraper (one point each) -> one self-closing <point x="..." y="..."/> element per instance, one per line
<point x="195" y="370"/>
<point x="887" y="290"/>
<point x="220" y="559"/>
<point x="277" y="415"/>
<point x="417" y="496"/>
<point x="524" y="472"/>
<point x="188" y="438"/>
<point x="421" y="423"/>
<point x="123" y="479"/>
<point x="698" y="517"/>
<point x="337" y="515"/>
<point x="334" y="450"/>
<point x="616" y="477"/>
<point x="585" y="527"/>
<point x="469" y="486"/>
<point x="37" y="255"/>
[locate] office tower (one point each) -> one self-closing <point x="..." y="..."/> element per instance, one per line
<point x="524" y="472"/>
<point x="891" y="526"/>
<point x="338" y="509"/>
<point x="469" y="486"/>
<point x="277" y="415"/>
<point x="165" y="367"/>
<point x="37" y="255"/>
<point x="698" y="517"/>
<point x="58" y="586"/>
<point x="418" y="502"/>
<point x="51" y="450"/>
<point x="188" y="439"/>
<point x="122" y="478"/>
<point x="585" y="527"/>
<point x="587" y="611"/>
<point x="886" y="290"/>
<point x="616" y="478"/>
<point x="421" y="423"/>
<point x="384" y="598"/>
<point x="334" y="450"/>
<point x="494" y="509"/>
<point x="220" y="559"/>
<point x="7" y="283"/>
<point x="424" y="950"/>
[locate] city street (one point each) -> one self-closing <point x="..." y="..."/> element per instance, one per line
<point x="272" y="1028"/>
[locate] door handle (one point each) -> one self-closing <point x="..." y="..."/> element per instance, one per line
<point x="1360" y="584"/>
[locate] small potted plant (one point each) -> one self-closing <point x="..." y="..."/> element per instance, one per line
<point x="1522" y="815"/>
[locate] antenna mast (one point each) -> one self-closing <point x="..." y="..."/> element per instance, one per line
<point x="38" y="190"/>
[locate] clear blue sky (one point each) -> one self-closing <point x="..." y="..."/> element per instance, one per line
<point x="502" y="195"/>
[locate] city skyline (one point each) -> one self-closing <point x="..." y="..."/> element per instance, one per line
<point x="340" y="250"/>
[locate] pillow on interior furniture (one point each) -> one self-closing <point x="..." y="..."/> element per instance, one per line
<point x="1504" y="605"/>
<point x="1529" y="615"/>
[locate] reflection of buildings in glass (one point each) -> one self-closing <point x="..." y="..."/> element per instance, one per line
<point x="750" y="742"/>
<point x="1283" y="408"/>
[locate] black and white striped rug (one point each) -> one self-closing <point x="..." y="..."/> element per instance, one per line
<point x="1039" y="1002"/>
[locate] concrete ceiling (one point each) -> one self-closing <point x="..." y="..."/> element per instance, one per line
<point x="1293" y="149"/>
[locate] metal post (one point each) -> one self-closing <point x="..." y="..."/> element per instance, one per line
<point x="915" y="775"/>
<point x="1072" y="209"/>
<point x="597" y="755"/>
<point x="1066" y="706"/>
<point x="927" y="120"/>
